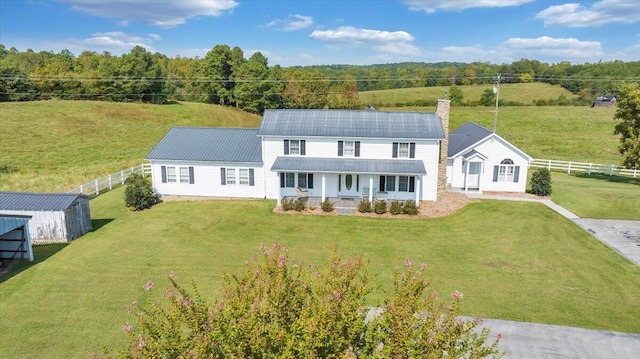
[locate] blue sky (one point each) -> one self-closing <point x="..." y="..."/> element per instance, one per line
<point x="323" y="32"/>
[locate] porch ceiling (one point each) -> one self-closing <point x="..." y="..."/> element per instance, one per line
<point x="348" y="165"/>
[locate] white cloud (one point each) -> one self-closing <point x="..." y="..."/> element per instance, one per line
<point x="123" y="23"/>
<point x="560" y="48"/>
<point x="116" y="42"/>
<point x="396" y="43"/>
<point x="600" y="13"/>
<point x="431" y="6"/>
<point x="294" y="22"/>
<point x="165" y="13"/>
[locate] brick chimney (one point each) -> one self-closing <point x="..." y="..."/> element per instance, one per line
<point x="442" y="110"/>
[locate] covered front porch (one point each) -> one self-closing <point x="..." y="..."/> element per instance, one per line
<point x="348" y="179"/>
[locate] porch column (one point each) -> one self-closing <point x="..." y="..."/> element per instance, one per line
<point x="370" y="189"/>
<point x="466" y="175"/>
<point x="417" y="189"/>
<point x="324" y="182"/>
<point x="279" y="190"/>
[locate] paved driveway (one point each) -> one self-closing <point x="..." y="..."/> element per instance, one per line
<point x="537" y="341"/>
<point x="622" y="236"/>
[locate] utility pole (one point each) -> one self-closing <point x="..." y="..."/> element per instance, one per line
<point x="496" y="90"/>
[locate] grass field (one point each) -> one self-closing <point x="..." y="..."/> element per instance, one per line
<point x="58" y="145"/>
<point x="517" y="261"/>
<point x="523" y="93"/>
<point x="597" y="196"/>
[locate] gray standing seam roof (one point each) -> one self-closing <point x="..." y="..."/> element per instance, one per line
<point x="351" y="124"/>
<point x="348" y="165"/>
<point x="209" y="144"/>
<point x="26" y="201"/>
<point x="465" y="136"/>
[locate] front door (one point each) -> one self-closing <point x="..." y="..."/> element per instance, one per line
<point x="348" y="186"/>
<point x="473" y="177"/>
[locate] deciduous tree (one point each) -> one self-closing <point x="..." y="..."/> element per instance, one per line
<point x="628" y="127"/>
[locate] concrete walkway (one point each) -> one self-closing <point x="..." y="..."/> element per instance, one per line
<point x="621" y="236"/>
<point x="533" y="341"/>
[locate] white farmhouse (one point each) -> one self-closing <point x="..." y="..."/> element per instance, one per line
<point x="322" y="153"/>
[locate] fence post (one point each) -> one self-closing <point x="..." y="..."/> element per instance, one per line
<point x="549" y="165"/>
<point x="635" y="170"/>
<point x="569" y="168"/>
<point x="81" y="189"/>
<point x="122" y="177"/>
<point x="110" y="186"/>
<point x="611" y="171"/>
<point x="97" y="187"/>
<point x="589" y="173"/>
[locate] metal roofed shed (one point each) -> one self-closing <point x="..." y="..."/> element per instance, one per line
<point x="55" y="217"/>
<point x="352" y="124"/>
<point x="15" y="242"/>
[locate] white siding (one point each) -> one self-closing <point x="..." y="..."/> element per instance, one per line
<point x="207" y="180"/>
<point x="496" y="150"/>
<point x="426" y="150"/>
<point x="45" y="226"/>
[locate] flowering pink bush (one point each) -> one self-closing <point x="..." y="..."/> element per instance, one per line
<point x="280" y="308"/>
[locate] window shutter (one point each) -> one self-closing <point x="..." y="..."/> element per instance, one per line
<point x="357" y="149"/>
<point x="412" y="150"/>
<point x="192" y="180"/>
<point x="163" y="169"/>
<point x="310" y="181"/>
<point x="412" y="184"/>
<point x="516" y="174"/>
<point x="495" y="173"/>
<point x="303" y="145"/>
<point x="281" y="179"/>
<point x="339" y="183"/>
<point x="223" y="176"/>
<point x="340" y="148"/>
<point x="251" y="178"/>
<point x="382" y="183"/>
<point x="357" y="182"/>
<point x="286" y="147"/>
<point x="395" y="150"/>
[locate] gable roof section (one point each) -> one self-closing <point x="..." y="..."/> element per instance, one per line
<point x="466" y="136"/>
<point x="351" y="124"/>
<point x="26" y="201"/>
<point x="209" y="144"/>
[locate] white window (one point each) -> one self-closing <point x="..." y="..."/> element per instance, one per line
<point x="231" y="176"/>
<point x="403" y="183"/>
<point x="184" y="174"/>
<point x="171" y="175"/>
<point x="403" y="150"/>
<point x="294" y="147"/>
<point x="348" y="149"/>
<point x="287" y="179"/>
<point x="506" y="171"/>
<point x="244" y="176"/>
<point x="391" y="184"/>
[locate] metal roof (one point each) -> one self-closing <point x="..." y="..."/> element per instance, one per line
<point x="350" y="165"/>
<point x="209" y="144"/>
<point x="8" y="224"/>
<point x="465" y="136"/>
<point x="26" y="201"/>
<point x="351" y="124"/>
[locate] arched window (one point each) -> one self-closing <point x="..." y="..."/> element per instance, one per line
<point x="506" y="171"/>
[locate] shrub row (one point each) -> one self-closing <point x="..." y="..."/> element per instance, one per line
<point x="380" y="207"/>
<point x="299" y="205"/>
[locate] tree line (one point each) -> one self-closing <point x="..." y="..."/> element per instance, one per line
<point x="225" y="76"/>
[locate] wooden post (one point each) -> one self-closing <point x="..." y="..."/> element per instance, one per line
<point x="635" y="170"/>
<point x="569" y="168"/>
<point x="611" y="171"/>
<point x="589" y="173"/>
<point x="110" y="185"/>
<point x="122" y="177"/>
<point x="549" y="165"/>
<point x="81" y="189"/>
<point x="97" y="187"/>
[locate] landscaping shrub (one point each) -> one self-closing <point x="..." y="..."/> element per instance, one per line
<point x="282" y="308"/>
<point x="396" y="207"/>
<point x="380" y="207"/>
<point x="410" y="207"/>
<point x="286" y="204"/>
<point x="541" y="182"/>
<point x="365" y="206"/>
<point x="139" y="193"/>
<point x="299" y="205"/>
<point x="327" y="206"/>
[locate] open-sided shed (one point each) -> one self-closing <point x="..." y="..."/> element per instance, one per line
<point x="55" y="217"/>
<point x="14" y="238"/>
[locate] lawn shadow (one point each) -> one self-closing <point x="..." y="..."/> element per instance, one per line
<point x="40" y="254"/>
<point x="99" y="223"/>
<point x="603" y="177"/>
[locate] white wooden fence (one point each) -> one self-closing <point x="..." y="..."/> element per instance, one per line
<point x="589" y="168"/>
<point x="111" y="181"/>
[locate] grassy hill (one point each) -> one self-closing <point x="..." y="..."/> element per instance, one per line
<point x="523" y="93"/>
<point x="57" y="145"/>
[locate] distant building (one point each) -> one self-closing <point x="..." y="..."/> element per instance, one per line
<point x="604" y="101"/>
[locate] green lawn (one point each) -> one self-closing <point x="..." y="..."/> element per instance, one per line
<point x="518" y="261"/>
<point x="597" y="196"/>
